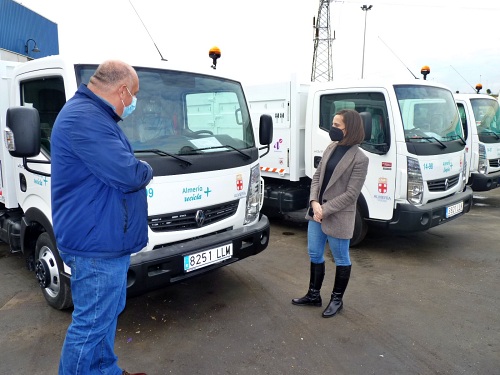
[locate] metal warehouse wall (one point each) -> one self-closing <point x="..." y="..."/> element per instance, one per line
<point x="18" y="24"/>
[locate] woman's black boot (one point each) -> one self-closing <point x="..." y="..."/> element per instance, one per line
<point x="313" y="296"/>
<point x="342" y="274"/>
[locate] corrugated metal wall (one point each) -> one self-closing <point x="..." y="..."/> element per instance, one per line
<point x="18" y="24"/>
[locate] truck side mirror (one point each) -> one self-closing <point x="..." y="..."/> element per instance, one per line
<point x="367" y="123"/>
<point x="23" y="133"/>
<point x="265" y="130"/>
<point x="265" y="133"/>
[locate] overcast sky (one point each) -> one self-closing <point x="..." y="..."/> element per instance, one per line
<point x="268" y="40"/>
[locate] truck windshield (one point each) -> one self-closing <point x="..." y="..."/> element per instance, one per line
<point x="486" y="113"/>
<point x="429" y="114"/>
<point x="181" y="113"/>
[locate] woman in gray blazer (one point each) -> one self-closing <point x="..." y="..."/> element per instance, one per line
<point x="335" y="188"/>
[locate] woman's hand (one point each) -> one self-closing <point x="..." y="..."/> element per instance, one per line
<point x="317" y="210"/>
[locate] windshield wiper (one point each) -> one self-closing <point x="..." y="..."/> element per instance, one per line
<point x="163" y="153"/>
<point x="456" y="136"/>
<point x="461" y="138"/>
<point x="488" y="131"/>
<point x="223" y="146"/>
<point x="429" y="140"/>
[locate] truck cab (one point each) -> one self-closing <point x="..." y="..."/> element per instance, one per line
<point x="194" y="130"/>
<point x="480" y="117"/>
<point x="417" y="170"/>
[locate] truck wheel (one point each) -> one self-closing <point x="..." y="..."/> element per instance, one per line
<point x="360" y="229"/>
<point x="48" y="268"/>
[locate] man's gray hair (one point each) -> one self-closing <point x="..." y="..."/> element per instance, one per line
<point x="111" y="74"/>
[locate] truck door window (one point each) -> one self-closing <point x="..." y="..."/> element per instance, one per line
<point x="463" y="119"/>
<point x="372" y="102"/>
<point x="48" y="97"/>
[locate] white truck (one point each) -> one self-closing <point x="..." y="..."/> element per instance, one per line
<point x="417" y="174"/>
<point x="480" y="117"/>
<point x="194" y="130"/>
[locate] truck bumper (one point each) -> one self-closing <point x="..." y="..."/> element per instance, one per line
<point x="409" y="218"/>
<point x="484" y="182"/>
<point x="162" y="266"/>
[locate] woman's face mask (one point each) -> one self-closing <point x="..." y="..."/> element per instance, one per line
<point x="336" y="134"/>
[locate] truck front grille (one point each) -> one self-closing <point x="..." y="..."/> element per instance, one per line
<point x="494" y="163"/>
<point x="443" y="184"/>
<point x="192" y="219"/>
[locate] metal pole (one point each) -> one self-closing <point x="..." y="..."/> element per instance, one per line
<point x="365" y="9"/>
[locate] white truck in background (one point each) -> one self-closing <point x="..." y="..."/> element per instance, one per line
<point x="195" y="131"/>
<point x="480" y="117"/>
<point x="417" y="174"/>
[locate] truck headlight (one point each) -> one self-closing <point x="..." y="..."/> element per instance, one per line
<point x="482" y="166"/>
<point x="253" y="196"/>
<point x="415" y="187"/>
<point x="465" y="177"/>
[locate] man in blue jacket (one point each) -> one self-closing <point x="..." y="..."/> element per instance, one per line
<point x="99" y="212"/>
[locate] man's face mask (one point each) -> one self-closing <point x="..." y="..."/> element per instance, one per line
<point x="127" y="110"/>
<point x="336" y="134"/>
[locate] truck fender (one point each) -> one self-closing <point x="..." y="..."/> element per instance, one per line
<point x="40" y="250"/>
<point x="33" y="224"/>
<point x="360" y="224"/>
<point x="363" y="206"/>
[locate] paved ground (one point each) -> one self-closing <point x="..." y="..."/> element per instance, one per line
<point x="426" y="303"/>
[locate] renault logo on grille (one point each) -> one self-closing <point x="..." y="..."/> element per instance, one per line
<point x="200" y="218"/>
<point x="446" y="184"/>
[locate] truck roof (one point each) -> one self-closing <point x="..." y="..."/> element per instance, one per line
<point x="473" y="96"/>
<point x="64" y="62"/>
<point x="367" y="83"/>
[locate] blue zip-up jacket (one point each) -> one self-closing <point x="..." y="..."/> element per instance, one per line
<point x="99" y="203"/>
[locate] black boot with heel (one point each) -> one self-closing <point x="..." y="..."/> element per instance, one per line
<point x="342" y="275"/>
<point x="313" y="296"/>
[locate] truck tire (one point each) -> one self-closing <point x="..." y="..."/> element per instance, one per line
<point x="360" y="229"/>
<point x="48" y="267"/>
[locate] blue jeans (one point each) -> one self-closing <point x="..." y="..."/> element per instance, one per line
<point x="316" y="241"/>
<point x="99" y="288"/>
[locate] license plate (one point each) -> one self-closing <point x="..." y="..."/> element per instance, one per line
<point x="454" y="210"/>
<point x="207" y="257"/>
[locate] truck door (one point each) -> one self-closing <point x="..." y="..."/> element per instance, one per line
<point x="471" y="155"/>
<point x="47" y="95"/>
<point x="380" y="186"/>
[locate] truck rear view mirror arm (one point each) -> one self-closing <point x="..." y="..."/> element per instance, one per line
<point x="26" y="167"/>
<point x="266" y="147"/>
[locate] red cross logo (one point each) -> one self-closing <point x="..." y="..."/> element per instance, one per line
<point x="382" y="185"/>
<point x="239" y="182"/>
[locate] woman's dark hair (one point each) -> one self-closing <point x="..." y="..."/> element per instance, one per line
<point x="354" y="129"/>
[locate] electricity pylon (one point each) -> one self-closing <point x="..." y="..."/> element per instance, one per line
<point x="322" y="69"/>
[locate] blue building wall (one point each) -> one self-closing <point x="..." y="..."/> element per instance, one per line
<point x="18" y="24"/>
